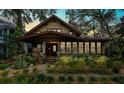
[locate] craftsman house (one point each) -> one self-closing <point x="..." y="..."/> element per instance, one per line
<point x="55" y="37"/>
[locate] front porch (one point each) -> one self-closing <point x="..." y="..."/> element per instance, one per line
<point x="56" y="44"/>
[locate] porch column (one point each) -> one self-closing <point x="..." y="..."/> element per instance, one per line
<point x="83" y="47"/>
<point x="65" y="47"/>
<point x="25" y="48"/>
<point x="71" y="47"/>
<point x="90" y="47"/>
<point x="44" y="48"/>
<point x="77" y="47"/>
<point x="59" y="49"/>
<point x="96" y="47"/>
<point x="102" y="47"/>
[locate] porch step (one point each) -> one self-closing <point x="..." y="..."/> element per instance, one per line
<point x="49" y="60"/>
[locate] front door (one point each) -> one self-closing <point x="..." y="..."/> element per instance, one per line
<point x="51" y="49"/>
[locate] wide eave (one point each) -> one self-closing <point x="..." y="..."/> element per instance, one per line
<point x="56" y="36"/>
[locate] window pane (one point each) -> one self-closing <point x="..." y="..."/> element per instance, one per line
<point x="62" y="47"/>
<point x="70" y="33"/>
<point x="54" y="48"/>
<point x="39" y="46"/>
<point x="86" y="47"/>
<point x="98" y="47"/>
<point x="1" y="49"/>
<point x="59" y="30"/>
<point x="80" y="47"/>
<point x="74" y="47"/>
<point x="92" y="47"/>
<point x="1" y="32"/>
<point x="68" y="49"/>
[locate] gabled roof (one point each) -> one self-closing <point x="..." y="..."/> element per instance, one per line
<point x="56" y="18"/>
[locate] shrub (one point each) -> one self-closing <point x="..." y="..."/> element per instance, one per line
<point x="25" y="71"/>
<point x="21" y="78"/>
<point x="6" y="80"/>
<point x="109" y="63"/>
<point x="101" y="61"/>
<point x="4" y="66"/>
<point x="40" y="78"/>
<point x="64" y="60"/>
<point x="5" y="73"/>
<point x="116" y="66"/>
<point x="23" y="61"/>
<point x="62" y="78"/>
<point x="70" y="78"/>
<point x="102" y="71"/>
<point x="93" y="78"/>
<point x="118" y="79"/>
<point x="35" y="70"/>
<point x="115" y="49"/>
<point x="20" y="62"/>
<point x="80" y="78"/>
<point x="49" y="79"/>
<point x="104" y="80"/>
<point x="30" y="59"/>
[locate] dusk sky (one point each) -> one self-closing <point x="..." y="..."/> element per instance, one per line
<point x="61" y="13"/>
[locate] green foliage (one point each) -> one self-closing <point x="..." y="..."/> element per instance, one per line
<point x="116" y="66"/>
<point x="5" y="73"/>
<point x="101" y="61"/>
<point x="30" y="59"/>
<point x="118" y="79"/>
<point x="104" y="80"/>
<point x="71" y="61"/>
<point x="23" y="61"/>
<point x="14" y="47"/>
<point x="70" y="78"/>
<point x="34" y="70"/>
<point x="25" y="71"/>
<point x="41" y="78"/>
<point x="115" y="49"/>
<point x="4" y="66"/>
<point x="80" y="78"/>
<point x="62" y="78"/>
<point x="6" y="80"/>
<point x="21" y="78"/>
<point x="93" y="78"/>
<point x="102" y="71"/>
<point x="50" y="79"/>
<point x="20" y="62"/>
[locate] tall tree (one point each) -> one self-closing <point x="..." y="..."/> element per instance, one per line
<point x="98" y="19"/>
<point x="22" y="16"/>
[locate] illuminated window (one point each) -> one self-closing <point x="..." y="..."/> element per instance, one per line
<point x="62" y="47"/>
<point x="59" y="30"/>
<point x="39" y="46"/>
<point x="86" y="47"/>
<point x="54" y="29"/>
<point x="75" y="47"/>
<point x="54" y="48"/>
<point x="68" y="47"/>
<point x="70" y="33"/>
<point x="92" y="47"/>
<point x="80" y="47"/>
<point x="98" y="47"/>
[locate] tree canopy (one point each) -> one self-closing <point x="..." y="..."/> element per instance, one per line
<point x="98" y="20"/>
<point x="22" y="16"/>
